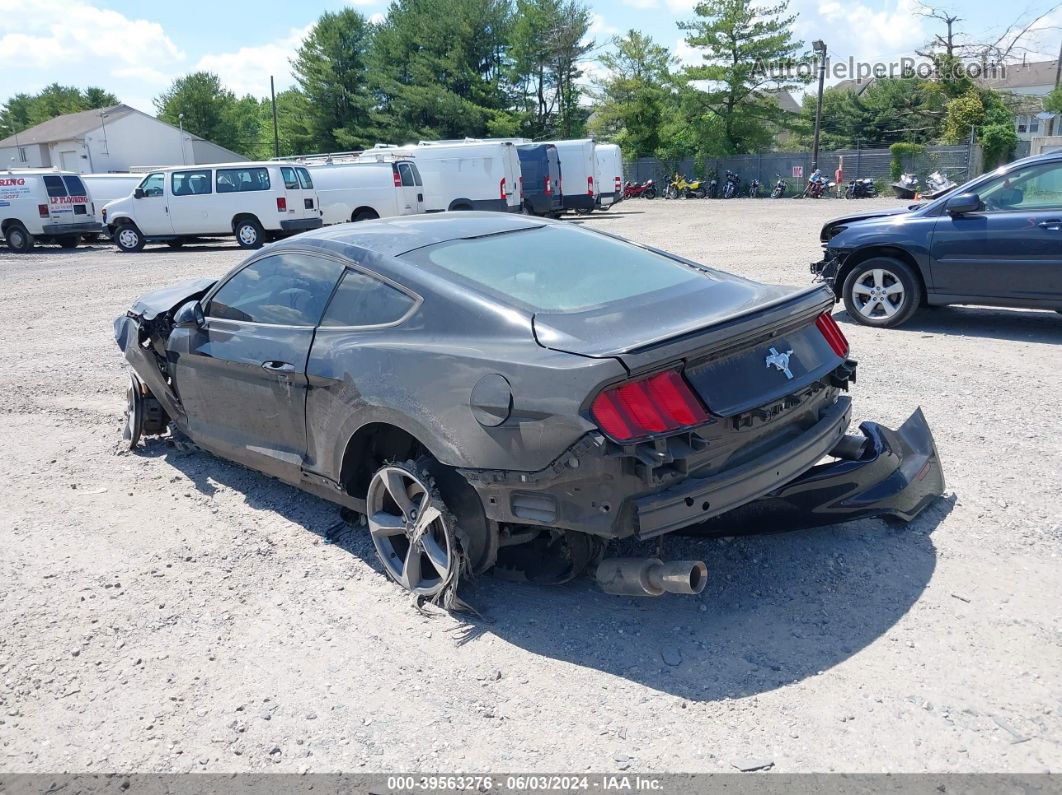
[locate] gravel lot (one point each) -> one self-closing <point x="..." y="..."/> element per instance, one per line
<point x="166" y="611"/>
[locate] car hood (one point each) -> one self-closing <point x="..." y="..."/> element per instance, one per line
<point x="159" y="302"/>
<point x="831" y="227"/>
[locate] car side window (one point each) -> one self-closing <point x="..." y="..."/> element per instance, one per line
<point x="304" y="178"/>
<point x="190" y="183"/>
<point x="284" y="289"/>
<point x="54" y="185"/>
<point x="291" y="182"/>
<point x="234" y="180"/>
<point x="361" y="300"/>
<point x="1026" y="190"/>
<point x="153" y="184"/>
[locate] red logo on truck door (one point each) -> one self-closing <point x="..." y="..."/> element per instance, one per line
<point x="6" y="182"/>
<point x="69" y="200"/>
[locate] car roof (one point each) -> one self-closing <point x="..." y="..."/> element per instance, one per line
<point x="390" y="237"/>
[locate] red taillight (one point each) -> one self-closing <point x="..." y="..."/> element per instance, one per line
<point x="663" y="402"/>
<point x="619" y="184"/>
<point x="282" y="204"/>
<point x="549" y="187"/>
<point x="397" y="176"/>
<point x="832" y="332"/>
<point x="589" y="186"/>
<point x="42" y="210"/>
<point x="501" y="187"/>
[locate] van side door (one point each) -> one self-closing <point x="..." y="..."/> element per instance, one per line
<point x="151" y="210"/>
<point x="410" y="194"/>
<point x="190" y="201"/>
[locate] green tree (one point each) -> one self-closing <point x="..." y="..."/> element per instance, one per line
<point x="906" y="109"/>
<point x="739" y="42"/>
<point x="204" y="107"/>
<point x="330" y="69"/>
<point x="1053" y="101"/>
<point x="547" y="44"/>
<point x="26" y="110"/>
<point x="632" y="100"/>
<point x="296" y="131"/>
<point x="436" y="68"/>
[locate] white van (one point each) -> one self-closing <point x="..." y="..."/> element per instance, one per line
<point x="255" y="202"/>
<point x="578" y="174"/>
<point x="608" y="174"/>
<point x="44" y="206"/>
<point x="353" y="190"/>
<point x="105" y="188"/>
<point x="464" y="175"/>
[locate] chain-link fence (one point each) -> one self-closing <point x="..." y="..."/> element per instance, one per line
<point x="958" y="163"/>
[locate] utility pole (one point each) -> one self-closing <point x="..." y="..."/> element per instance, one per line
<point x="276" y="131"/>
<point x="1058" y="79"/>
<point x="820" y="50"/>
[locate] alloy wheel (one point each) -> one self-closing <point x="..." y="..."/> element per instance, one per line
<point x="413" y="537"/>
<point x="134" y="414"/>
<point x="878" y="294"/>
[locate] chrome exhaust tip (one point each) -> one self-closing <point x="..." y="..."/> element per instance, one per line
<point x="651" y="576"/>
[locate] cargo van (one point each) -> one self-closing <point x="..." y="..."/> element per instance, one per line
<point x="463" y="175"/>
<point x="578" y="169"/>
<point x="608" y="174"/>
<point x="44" y="206"/>
<point x="540" y="182"/>
<point x="256" y="202"/>
<point x="353" y="190"/>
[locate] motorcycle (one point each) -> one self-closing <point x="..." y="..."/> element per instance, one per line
<point x="731" y="188"/>
<point x="754" y="189"/>
<point x="713" y="188"/>
<point x="647" y="190"/>
<point x="937" y="185"/>
<point x="779" y="189"/>
<point x="864" y="188"/>
<point x="906" y="187"/>
<point x="681" y="188"/>
<point x="816" y="187"/>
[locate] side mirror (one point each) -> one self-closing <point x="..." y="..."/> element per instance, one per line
<point x="189" y="314"/>
<point x="964" y="203"/>
<point x="138" y="193"/>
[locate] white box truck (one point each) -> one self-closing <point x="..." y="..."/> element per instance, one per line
<point x="45" y="206"/>
<point x="463" y="175"/>
<point x="578" y="174"/>
<point x="608" y="174"/>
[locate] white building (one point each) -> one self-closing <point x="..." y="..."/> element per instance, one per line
<point x="1029" y="83"/>
<point x="114" y="139"/>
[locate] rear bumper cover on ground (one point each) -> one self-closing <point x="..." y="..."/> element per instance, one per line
<point x="899" y="475"/>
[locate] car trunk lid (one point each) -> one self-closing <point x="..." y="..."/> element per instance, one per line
<point x="741" y="344"/>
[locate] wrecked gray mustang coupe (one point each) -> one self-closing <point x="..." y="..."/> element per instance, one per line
<point x="496" y="391"/>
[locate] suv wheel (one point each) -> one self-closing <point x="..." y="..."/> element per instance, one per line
<point x="249" y="233"/>
<point x="18" y="239"/>
<point x="882" y="292"/>
<point x="128" y="238"/>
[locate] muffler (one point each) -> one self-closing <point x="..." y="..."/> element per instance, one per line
<point x="651" y="576"/>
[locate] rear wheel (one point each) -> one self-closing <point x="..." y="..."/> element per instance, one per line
<point x="882" y="292"/>
<point x="365" y="215"/>
<point x="649" y="193"/>
<point x="249" y="233"/>
<point x="128" y="239"/>
<point x="68" y="241"/>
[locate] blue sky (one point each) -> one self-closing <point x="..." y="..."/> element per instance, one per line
<point x="135" y="49"/>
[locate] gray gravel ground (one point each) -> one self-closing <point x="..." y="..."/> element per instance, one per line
<point x="164" y="611"/>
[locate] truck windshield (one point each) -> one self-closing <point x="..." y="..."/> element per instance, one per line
<point x="558" y="268"/>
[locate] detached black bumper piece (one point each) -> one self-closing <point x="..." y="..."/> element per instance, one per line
<point x="301" y="224"/>
<point x="897" y="474"/>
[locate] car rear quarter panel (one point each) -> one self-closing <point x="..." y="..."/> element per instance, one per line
<point x="419" y="376"/>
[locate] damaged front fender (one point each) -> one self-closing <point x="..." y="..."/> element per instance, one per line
<point x="897" y="474"/>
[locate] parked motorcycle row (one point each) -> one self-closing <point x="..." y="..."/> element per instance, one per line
<point x="730" y="187"/>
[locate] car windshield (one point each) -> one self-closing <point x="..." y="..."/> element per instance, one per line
<point x="558" y="268"/>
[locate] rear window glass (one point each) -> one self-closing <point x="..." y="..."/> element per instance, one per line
<point x="408" y="178"/>
<point x="235" y="180"/>
<point x="54" y="184"/>
<point x="74" y="186"/>
<point x="291" y="182"/>
<point x="558" y="268"/>
<point x="304" y="178"/>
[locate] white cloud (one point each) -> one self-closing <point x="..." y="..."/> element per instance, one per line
<point x="101" y="42"/>
<point x="378" y="18"/>
<point x="247" y="70"/>
<point x="687" y="55"/>
<point x="870" y="32"/>
<point x="599" y="28"/>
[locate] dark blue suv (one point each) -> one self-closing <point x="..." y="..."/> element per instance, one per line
<point x="995" y="241"/>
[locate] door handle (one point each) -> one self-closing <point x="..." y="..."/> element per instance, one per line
<point x="278" y="367"/>
<point x="1052" y="225"/>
